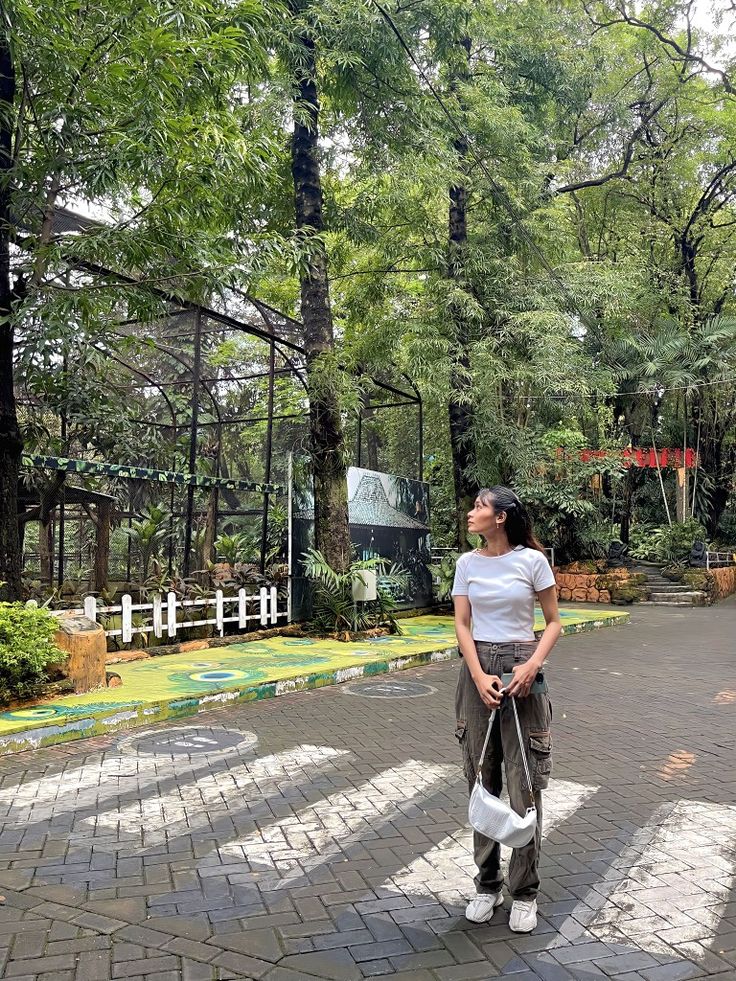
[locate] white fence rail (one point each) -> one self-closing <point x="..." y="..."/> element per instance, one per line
<point x="167" y="614"/>
<point x="719" y="560"/>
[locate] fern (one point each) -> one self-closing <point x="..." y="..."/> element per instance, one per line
<point x="333" y="609"/>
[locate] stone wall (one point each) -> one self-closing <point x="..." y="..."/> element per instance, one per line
<point x="724" y="582"/>
<point x="588" y="587"/>
<point x="717" y="584"/>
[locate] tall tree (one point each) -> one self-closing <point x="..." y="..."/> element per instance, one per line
<point x="329" y="471"/>
<point x="11" y="443"/>
<point x="460" y="404"/>
<point x="162" y="172"/>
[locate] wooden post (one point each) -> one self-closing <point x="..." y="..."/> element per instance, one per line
<point x="83" y="642"/>
<point x="171" y="614"/>
<point x="661" y="482"/>
<point x="681" y="499"/>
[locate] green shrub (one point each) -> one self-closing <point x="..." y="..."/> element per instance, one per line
<point x="333" y="609"/>
<point x="445" y="576"/>
<point x="674" y="572"/>
<point x="234" y="548"/>
<point x="643" y="542"/>
<point x="666" y="543"/>
<point x="26" y="650"/>
<point x="677" y="540"/>
<point x="627" y="592"/>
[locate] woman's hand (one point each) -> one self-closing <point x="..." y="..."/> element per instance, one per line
<point x="489" y="689"/>
<point x="524" y="675"/>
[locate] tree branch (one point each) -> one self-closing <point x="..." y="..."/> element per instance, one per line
<point x="628" y="156"/>
<point x="686" y="55"/>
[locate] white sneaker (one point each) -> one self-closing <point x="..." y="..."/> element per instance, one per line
<point x="523" y="917"/>
<point x="481" y="908"/>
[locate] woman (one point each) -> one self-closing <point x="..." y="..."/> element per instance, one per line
<point x="494" y="589"/>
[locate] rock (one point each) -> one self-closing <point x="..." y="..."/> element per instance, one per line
<point x="565" y="593"/>
<point x="580" y="593"/>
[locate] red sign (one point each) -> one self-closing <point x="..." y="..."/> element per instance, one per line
<point x="641" y="456"/>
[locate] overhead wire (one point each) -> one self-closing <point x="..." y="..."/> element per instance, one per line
<point x="658" y="390"/>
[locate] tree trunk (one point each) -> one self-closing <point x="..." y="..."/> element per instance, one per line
<point x="102" y="549"/>
<point x="332" y="533"/>
<point x="46" y="549"/>
<point x="460" y="403"/>
<point x="681" y="495"/>
<point x="626" y="507"/>
<point x="49" y="497"/>
<point x="373" y="444"/>
<point x="719" y="466"/>
<point x="11" y="442"/>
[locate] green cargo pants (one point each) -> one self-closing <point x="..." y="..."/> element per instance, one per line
<point x="535" y="716"/>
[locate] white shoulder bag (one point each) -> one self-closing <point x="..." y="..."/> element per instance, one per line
<point x="492" y="816"/>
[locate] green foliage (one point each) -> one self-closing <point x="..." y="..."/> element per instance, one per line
<point x="632" y="341"/>
<point x="26" y="650"/>
<point x="557" y="487"/>
<point x="623" y="594"/>
<point x="445" y="576"/>
<point x="149" y="534"/>
<point x="665" y="543"/>
<point x="333" y="609"/>
<point x="233" y="548"/>
<point x="727" y="530"/>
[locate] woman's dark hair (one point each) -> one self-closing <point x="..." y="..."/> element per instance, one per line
<point x="519" y="528"/>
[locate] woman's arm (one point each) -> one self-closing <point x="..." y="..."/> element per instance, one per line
<point x="524" y="674"/>
<point x="488" y="685"/>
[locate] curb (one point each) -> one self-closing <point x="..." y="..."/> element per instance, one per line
<point x="104" y="723"/>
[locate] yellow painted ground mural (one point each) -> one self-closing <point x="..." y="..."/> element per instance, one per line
<point x="176" y="685"/>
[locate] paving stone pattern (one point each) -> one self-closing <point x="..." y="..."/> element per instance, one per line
<point x="336" y="848"/>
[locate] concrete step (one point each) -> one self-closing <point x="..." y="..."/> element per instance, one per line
<point x="690" y="598"/>
<point x="682" y="604"/>
<point x="669" y="587"/>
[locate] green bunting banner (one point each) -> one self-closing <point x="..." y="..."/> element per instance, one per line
<point x="143" y="473"/>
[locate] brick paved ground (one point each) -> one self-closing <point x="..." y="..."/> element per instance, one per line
<point x="334" y="848"/>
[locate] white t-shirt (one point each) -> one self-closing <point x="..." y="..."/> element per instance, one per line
<point x="501" y="590"/>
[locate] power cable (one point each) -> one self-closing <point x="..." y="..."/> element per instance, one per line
<point x="659" y="390"/>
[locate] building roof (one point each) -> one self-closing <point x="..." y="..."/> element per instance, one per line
<point x="369" y="506"/>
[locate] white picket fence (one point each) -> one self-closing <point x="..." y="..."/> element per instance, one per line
<point x="719" y="560"/>
<point x="164" y="615"/>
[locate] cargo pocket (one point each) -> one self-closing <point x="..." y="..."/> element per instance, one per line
<point x="461" y="733"/>
<point x="540" y="758"/>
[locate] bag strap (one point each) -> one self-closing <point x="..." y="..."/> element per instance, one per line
<point x="485" y="744"/>
<point x="521" y="747"/>
<point x="523" y="751"/>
